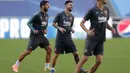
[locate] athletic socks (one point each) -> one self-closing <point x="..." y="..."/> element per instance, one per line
<point x="17" y="63"/>
<point x="47" y="65"/>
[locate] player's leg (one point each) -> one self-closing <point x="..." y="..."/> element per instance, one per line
<point x="21" y="57"/>
<point x="98" y="51"/>
<point x="97" y="64"/>
<point x="71" y="48"/>
<point x="59" y="49"/>
<point x="32" y="45"/>
<point x="76" y="58"/>
<point x="89" y="45"/>
<point x="80" y="64"/>
<point x="54" y="61"/>
<point x="48" y="58"/>
<point x="46" y="45"/>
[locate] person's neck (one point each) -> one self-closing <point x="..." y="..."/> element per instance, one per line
<point x="43" y="11"/>
<point x="67" y="12"/>
<point x="100" y="5"/>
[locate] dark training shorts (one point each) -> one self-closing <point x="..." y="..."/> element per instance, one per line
<point x="93" y="47"/>
<point x="35" y="41"/>
<point x="66" y="46"/>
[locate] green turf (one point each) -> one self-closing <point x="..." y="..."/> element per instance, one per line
<point x="116" y="57"/>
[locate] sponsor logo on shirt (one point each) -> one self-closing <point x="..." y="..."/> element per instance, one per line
<point x="102" y="19"/>
<point x="44" y="23"/>
<point x="66" y="23"/>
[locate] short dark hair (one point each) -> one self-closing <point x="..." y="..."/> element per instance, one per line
<point x="43" y="2"/>
<point x="68" y="1"/>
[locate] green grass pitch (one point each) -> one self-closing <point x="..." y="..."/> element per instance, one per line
<point x="116" y="57"/>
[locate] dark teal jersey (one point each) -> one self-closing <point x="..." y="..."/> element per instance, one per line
<point x="39" y="21"/>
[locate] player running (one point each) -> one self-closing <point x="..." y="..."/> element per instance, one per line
<point x="98" y="16"/>
<point x="63" y="22"/>
<point x="38" y="25"/>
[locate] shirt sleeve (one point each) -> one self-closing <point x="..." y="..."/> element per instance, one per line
<point x="31" y="21"/>
<point x="72" y="21"/>
<point x="47" y="21"/>
<point x="108" y="16"/>
<point x="57" y="18"/>
<point x="88" y="15"/>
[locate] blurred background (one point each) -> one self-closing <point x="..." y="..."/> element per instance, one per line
<point x="14" y="15"/>
<point x="14" y="33"/>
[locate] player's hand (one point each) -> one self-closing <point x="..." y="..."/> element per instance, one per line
<point x="113" y="31"/>
<point x="44" y="31"/>
<point x="62" y="29"/>
<point x="36" y="31"/>
<point x="91" y="32"/>
<point x="72" y="31"/>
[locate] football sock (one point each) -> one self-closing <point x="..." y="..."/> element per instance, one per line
<point x="76" y="58"/>
<point x="17" y="63"/>
<point x="47" y="65"/>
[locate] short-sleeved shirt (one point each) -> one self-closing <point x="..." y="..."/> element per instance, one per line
<point x="98" y="19"/>
<point x="39" y="21"/>
<point x="66" y="22"/>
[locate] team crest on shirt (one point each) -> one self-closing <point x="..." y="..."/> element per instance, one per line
<point x="105" y="12"/>
<point x="97" y="12"/>
<point x="71" y="18"/>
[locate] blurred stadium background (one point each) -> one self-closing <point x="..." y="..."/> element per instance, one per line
<point x="14" y="34"/>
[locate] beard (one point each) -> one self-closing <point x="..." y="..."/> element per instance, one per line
<point x="69" y="9"/>
<point x="45" y="9"/>
<point x="104" y="2"/>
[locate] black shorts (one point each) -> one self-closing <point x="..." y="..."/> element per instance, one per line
<point x="35" y="41"/>
<point x="93" y="47"/>
<point x="66" y="46"/>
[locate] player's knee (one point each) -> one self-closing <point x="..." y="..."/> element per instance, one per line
<point x="75" y="54"/>
<point x="28" y="52"/>
<point x="56" y="55"/>
<point x="49" y="50"/>
<point x="98" y="62"/>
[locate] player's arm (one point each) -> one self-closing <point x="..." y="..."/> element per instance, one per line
<point x="45" y="29"/>
<point x="56" y="20"/>
<point x="83" y="26"/>
<point x="55" y="23"/>
<point x="30" y="24"/>
<point x="72" y="23"/>
<point x="108" y="26"/>
<point x="87" y="17"/>
<point x="58" y="27"/>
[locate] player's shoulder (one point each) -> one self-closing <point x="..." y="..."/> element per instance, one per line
<point x="47" y="14"/>
<point x="36" y="13"/>
<point x="61" y="13"/>
<point x="106" y="7"/>
<point x="92" y="9"/>
<point x="71" y="14"/>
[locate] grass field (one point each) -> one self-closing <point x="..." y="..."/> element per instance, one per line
<point x="116" y="57"/>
